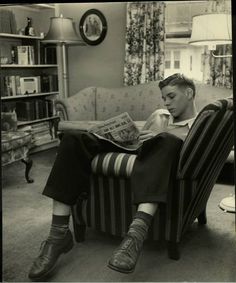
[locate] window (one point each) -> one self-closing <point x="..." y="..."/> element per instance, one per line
<point x="176" y="59"/>
<point x="167" y="60"/>
<point x="172" y="59"/>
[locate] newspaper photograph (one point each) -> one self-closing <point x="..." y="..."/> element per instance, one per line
<point x="120" y="130"/>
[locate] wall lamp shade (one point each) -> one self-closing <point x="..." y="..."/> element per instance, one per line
<point x="62" y="30"/>
<point x="211" y="29"/>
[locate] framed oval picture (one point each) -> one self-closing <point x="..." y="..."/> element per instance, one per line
<point x="93" y="27"/>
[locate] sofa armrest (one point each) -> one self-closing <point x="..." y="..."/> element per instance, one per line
<point x="61" y="109"/>
<point x="76" y="125"/>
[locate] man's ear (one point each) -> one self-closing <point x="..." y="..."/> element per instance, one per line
<point x="189" y="93"/>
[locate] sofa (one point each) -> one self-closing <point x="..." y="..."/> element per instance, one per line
<point x="108" y="207"/>
<point x="99" y="103"/>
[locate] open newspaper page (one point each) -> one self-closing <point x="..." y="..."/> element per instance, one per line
<point x="120" y="130"/>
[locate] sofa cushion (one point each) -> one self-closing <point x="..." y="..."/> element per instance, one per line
<point x="13" y="140"/>
<point x="139" y="101"/>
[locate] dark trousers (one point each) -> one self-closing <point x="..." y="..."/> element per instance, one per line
<point x="154" y="169"/>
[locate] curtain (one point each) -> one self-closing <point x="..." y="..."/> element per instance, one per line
<point x="221" y="69"/>
<point x="145" y="35"/>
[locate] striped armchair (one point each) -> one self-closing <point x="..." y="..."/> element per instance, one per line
<point x="108" y="208"/>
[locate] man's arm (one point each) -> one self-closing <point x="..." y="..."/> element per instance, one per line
<point x="180" y="132"/>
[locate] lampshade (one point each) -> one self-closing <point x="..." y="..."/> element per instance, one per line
<point x="62" y="30"/>
<point x="211" y="29"/>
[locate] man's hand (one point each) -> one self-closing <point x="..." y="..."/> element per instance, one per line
<point x="146" y="134"/>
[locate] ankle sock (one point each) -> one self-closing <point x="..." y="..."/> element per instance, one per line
<point x="59" y="227"/>
<point x="139" y="226"/>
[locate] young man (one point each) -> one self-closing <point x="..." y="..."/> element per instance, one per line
<point x="162" y="137"/>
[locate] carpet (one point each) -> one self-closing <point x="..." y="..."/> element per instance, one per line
<point x="207" y="253"/>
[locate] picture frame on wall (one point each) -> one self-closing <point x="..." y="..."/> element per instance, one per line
<point x="93" y="27"/>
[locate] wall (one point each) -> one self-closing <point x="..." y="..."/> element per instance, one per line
<point x="103" y="64"/>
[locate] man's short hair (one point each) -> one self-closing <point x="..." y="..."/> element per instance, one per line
<point x="179" y="80"/>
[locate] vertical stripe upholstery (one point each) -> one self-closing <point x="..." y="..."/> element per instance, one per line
<point x="202" y="157"/>
<point x="204" y="152"/>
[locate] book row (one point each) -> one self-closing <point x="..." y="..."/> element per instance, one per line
<point x="41" y="133"/>
<point x="34" y="109"/>
<point x="16" y="85"/>
<point x="25" y="55"/>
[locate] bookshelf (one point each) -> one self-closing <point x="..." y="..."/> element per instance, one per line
<point x="30" y="122"/>
<point x="10" y="35"/>
<point x="26" y="96"/>
<point x="44" y="124"/>
<point x="29" y="66"/>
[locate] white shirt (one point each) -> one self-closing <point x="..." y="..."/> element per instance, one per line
<point x="162" y="121"/>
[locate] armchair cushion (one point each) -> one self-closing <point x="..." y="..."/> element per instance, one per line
<point x="113" y="164"/>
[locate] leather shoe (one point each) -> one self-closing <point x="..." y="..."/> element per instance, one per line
<point x="124" y="259"/>
<point x="50" y="251"/>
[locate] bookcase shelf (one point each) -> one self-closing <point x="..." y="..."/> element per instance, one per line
<point x="24" y="123"/>
<point x="19" y="36"/>
<point x="29" y="66"/>
<point x="25" y="96"/>
<point x="44" y="146"/>
<point x="31" y="59"/>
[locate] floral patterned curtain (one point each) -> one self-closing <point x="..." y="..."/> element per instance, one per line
<point x="221" y="69"/>
<point x="145" y="35"/>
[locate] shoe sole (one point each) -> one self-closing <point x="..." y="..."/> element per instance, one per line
<point x="119" y="269"/>
<point x="37" y="279"/>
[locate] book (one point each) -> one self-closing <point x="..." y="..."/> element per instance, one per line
<point x="49" y="83"/>
<point x="25" y="110"/>
<point x="48" y="55"/>
<point x="120" y="130"/>
<point x="25" y="55"/>
<point x="18" y="88"/>
<point x="12" y="85"/>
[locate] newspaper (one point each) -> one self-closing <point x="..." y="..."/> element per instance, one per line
<point x="120" y="130"/>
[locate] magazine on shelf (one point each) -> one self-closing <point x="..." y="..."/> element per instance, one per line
<point x="120" y="130"/>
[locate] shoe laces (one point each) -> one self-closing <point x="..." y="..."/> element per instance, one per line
<point x="129" y="247"/>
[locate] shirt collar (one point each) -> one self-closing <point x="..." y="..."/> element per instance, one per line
<point x="188" y="122"/>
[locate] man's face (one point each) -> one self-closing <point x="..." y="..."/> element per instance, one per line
<point x="175" y="100"/>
